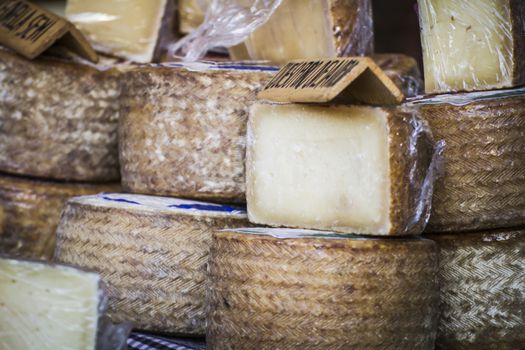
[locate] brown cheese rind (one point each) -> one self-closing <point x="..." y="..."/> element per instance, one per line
<point x="315" y="293"/>
<point x="482" y="286"/>
<point x="182" y="132"/>
<point x="153" y="264"/>
<point x="30" y="212"/>
<point x="517" y="8"/>
<point x="58" y="120"/>
<point x="483" y="185"/>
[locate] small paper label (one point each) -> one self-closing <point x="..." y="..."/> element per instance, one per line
<point x="350" y="79"/>
<point x="30" y="30"/>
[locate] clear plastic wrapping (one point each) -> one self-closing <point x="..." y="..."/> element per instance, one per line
<point x="472" y="45"/>
<point x="403" y="71"/>
<point x="65" y="308"/>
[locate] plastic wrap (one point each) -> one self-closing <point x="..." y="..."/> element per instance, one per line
<point x="30" y="212"/>
<point x="58" y="119"/>
<point x="194" y="116"/>
<point x="472" y="45"/>
<point x="403" y="71"/>
<point x="352" y="169"/>
<point x="482" y="297"/>
<point x="150" y="251"/>
<point x="54" y="307"/>
<point x="191" y="14"/>
<point x="318" y="293"/>
<point x="484" y="175"/>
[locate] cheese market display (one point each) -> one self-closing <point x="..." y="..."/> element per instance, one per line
<point x="299" y="289"/>
<point x="346" y="168"/>
<point x="150" y="251"/>
<point x="403" y="71"/>
<point x="483" y="185"/>
<point x="58" y="119"/>
<point x="51" y="307"/>
<point x="472" y="45"/>
<point x="482" y="279"/>
<point x="30" y="212"/>
<point x="302" y="29"/>
<point x="182" y="131"/>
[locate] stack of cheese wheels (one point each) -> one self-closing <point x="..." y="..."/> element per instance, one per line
<point x="301" y="289"/>
<point x="150" y="251"/>
<point x="58" y="123"/>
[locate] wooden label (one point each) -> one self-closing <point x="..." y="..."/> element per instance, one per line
<point x="30" y="30"/>
<point x="341" y="80"/>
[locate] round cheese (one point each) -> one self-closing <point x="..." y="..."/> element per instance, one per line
<point x="482" y="281"/>
<point x="30" y="212"/>
<point x="150" y="251"/>
<point x="58" y="119"/>
<point x="300" y="289"/>
<point x="483" y="185"/>
<point x="183" y="128"/>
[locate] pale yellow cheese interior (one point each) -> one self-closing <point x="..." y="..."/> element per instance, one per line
<point x="124" y="28"/>
<point x="319" y="167"/>
<point x="298" y="29"/>
<point x="47" y="308"/>
<point x="467" y="45"/>
<point x="191" y="14"/>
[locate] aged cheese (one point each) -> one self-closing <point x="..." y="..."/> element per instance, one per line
<point x="182" y="131"/>
<point x="352" y="169"/>
<point x="58" y="119"/>
<point x="483" y="185"/>
<point x="191" y="14"/>
<point x="472" y="45"/>
<point x="150" y="251"/>
<point x="298" y="289"/>
<point x="30" y="212"/>
<point x="482" y="282"/>
<point x="403" y="71"/>
<point x="132" y="29"/>
<point x="314" y="29"/>
<point x="47" y="307"/>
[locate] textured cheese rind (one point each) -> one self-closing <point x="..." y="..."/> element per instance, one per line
<point x="47" y="307"/>
<point x="153" y="261"/>
<point x="482" y="281"/>
<point x="410" y="152"/>
<point x="472" y="45"/>
<point x="58" y="120"/>
<point x="315" y="293"/>
<point x="30" y="212"/>
<point x="182" y="131"/>
<point x="483" y="185"/>
<point x="403" y="71"/>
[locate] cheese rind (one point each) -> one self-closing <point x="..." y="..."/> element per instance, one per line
<point x="131" y="29"/>
<point x="30" y="212"/>
<point x="47" y="307"/>
<point x="320" y="290"/>
<point x="151" y="253"/>
<point x="482" y="282"/>
<point x="483" y="184"/>
<point x="314" y="29"/>
<point x="472" y="45"/>
<point x="58" y="119"/>
<point x="182" y="131"/>
<point x="352" y="169"/>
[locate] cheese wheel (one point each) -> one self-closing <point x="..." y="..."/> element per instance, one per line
<point x="183" y="127"/>
<point x="58" y="119"/>
<point x="299" y="289"/>
<point x="482" y="280"/>
<point x="30" y="212"/>
<point x="151" y="253"/>
<point x="483" y="185"/>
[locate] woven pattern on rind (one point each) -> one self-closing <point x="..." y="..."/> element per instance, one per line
<point x="154" y="265"/>
<point x="484" y="182"/>
<point x="321" y="294"/>
<point x="482" y="302"/>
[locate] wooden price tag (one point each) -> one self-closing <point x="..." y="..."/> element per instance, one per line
<point x="340" y="80"/>
<point x="30" y="30"/>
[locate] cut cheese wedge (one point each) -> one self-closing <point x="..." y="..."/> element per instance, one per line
<point x="151" y="252"/>
<point x="472" y="45"/>
<point x="352" y="169"/>
<point x="306" y="290"/>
